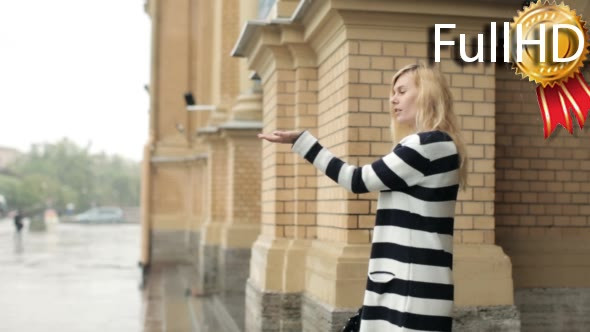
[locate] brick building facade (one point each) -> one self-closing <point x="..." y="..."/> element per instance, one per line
<point x="284" y="248"/>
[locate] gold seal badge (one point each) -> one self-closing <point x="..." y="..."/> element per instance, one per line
<point x="548" y="73"/>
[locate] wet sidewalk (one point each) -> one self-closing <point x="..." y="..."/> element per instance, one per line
<point x="75" y="278"/>
<point x="169" y="308"/>
<point x="70" y="278"/>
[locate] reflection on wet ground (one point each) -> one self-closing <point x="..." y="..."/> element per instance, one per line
<point x="169" y="308"/>
<point x="70" y="278"/>
<point x="75" y="278"/>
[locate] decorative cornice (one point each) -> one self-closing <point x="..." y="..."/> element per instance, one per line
<point x="320" y="27"/>
<point x="252" y="27"/>
<point x="177" y="159"/>
<point x="457" y="8"/>
<point x="241" y="125"/>
<point x="208" y="130"/>
<point x="201" y="108"/>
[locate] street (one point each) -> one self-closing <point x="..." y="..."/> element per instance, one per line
<point x="70" y="278"/>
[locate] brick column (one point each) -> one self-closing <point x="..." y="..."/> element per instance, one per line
<point x="197" y="169"/>
<point x="169" y="140"/>
<point x="242" y="224"/>
<point x="337" y="259"/>
<point x="358" y="46"/>
<point x="221" y="81"/>
<point x="267" y="299"/>
<point x="196" y="191"/>
<point x="169" y="209"/>
<point x="216" y="208"/>
<point x="274" y="286"/>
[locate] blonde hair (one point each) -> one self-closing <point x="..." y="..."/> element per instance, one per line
<point x="434" y="104"/>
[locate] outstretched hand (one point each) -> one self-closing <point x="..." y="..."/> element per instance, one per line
<point x="277" y="136"/>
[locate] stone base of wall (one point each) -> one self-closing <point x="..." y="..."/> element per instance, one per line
<point x="169" y="247"/>
<point x="318" y="317"/>
<point x="208" y="268"/>
<point x="268" y="311"/>
<point x="193" y="239"/>
<point x="486" y="319"/>
<point x="234" y="268"/>
<point x="553" y="309"/>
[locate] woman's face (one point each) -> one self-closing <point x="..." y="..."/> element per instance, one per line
<point x="403" y="99"/>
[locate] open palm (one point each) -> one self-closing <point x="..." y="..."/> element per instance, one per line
<point x="278" y="136"/>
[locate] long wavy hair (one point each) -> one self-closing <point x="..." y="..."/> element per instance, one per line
<point x="435" y="111"/>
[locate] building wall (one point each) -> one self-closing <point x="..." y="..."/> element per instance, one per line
<point x="355" y="52"/>
<point x="199" y="207"/>
<point x="283" y="246"/>
<point x="169" y="212"/>
<point x="542" y="201"/>
<point x="373" y="64"/>
<point x="166" y="199"/>
<point x="172" y="80"/>
<point x="541" y="209"/>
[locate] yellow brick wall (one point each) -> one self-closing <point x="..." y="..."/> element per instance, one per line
<point x="198" y="193"/>
<point x="243" y="183"/>
<point x="473" y="87"/>
<point x="542" y="211"/>
<point x="168" y="199"/>
<point x="540" y="182"/>
<point x="277" y="160"/>
<point x="230" y="73"/>
<point x="353" y="122"/>
<point x="305" y="180"/>
<point x="172" y="78"/>
<point x="203" y="54"/>
<point x="217" y="180"/>
<point x="344" y="102"/>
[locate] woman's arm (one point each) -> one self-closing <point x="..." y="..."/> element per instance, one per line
<point x="401" y="168"/>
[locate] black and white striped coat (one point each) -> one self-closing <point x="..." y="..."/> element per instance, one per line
<point x="410" y="283"/>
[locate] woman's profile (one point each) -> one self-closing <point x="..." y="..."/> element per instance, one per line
<point x="410" y="282"/>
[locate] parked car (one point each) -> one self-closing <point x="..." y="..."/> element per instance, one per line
<point x="100" y="215"/>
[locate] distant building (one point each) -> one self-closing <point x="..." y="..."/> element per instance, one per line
<point x="8" y="156"/>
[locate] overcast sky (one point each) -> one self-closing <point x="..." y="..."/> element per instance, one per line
<point x="76" y="69"/>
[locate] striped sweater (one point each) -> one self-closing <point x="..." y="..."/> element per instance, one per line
<point x="410" y="283"/>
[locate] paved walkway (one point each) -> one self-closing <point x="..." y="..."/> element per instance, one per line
<point x="75" y="278"/>
<point x="70" y="278"/>
<point x="170" y="309"/>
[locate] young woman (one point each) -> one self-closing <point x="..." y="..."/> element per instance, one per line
<point x="410" y="283"/>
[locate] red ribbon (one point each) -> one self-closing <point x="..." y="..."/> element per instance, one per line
<point x="555" y="103"/>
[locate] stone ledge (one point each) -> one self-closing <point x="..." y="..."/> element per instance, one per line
<point x="272" y="311"/>
<point x="319" y="317"/>
<point x="486" y="319"/>
<point x="553" y="309"/>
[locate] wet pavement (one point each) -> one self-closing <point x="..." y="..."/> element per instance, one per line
<point x="70" y="278"/>
<point x="74" y="278"/>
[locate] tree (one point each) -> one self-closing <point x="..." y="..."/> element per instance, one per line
<point x="54" y="174"/>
